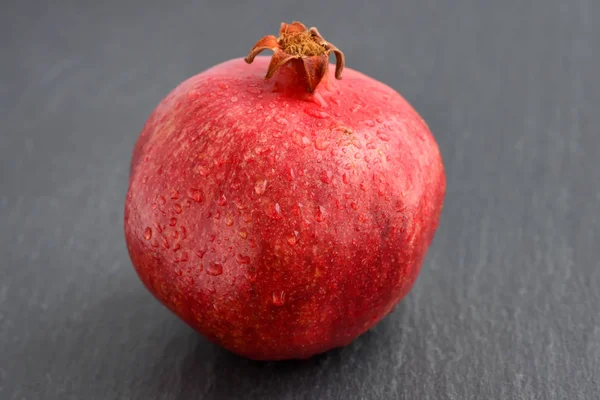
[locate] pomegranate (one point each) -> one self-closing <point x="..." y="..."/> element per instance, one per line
<point x="285" y="216"/>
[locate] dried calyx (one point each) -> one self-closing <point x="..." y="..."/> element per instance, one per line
<point x="296" y="42"/>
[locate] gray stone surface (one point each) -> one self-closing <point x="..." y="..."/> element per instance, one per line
<point x="508" y="302"/>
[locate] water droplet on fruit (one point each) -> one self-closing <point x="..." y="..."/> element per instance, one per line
<point x="279" y="298"/>
<point x="222" y="200"/>
<point x="242" y="259"/>
<point x="234" y="99"/>
<point x="316" y="113"/>
<point x="326" y="177"/>
<point x="254" y="90"/>
<point x="292" y="239"/>
<point x="276" y="133"/>
<point x="251" y="275"/>
<point x="148" y="233"/>
<point x="222" y="85"/>
<point x="321" y="144"/>
<point x="383" y="136"/>
<point x="320" y="214"/>
<point x="273" y="210"/>
<point x="201" y="253"/>
<point x="196" y="195"/>
<point x="173" y="221"/>
<point x="178" y="208"/>
<point x="203" y="170"/>
<point x="281" y="121"/>
<point x="228" y="220"/>
<point x="214" y="269"/>
<point x="261" y="186"/>
<point x="299" y="139"/>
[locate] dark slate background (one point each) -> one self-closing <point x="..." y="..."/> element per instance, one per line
<point x="508" y="302"/>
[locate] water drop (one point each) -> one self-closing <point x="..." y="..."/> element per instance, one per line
<point x="173" y="221"/>
<point x="299" y="139"/>
<point x="201" y="253"/>
<point x="279" y="298"/>
<point x="316" y="113"/>
<point x="321" y="144"/>
<point x="222" y="200"/>
<point x="178" y="208"/>
<point x="240" y="204"/>
<point x="174" y="195"/>
<point x="234" y="99"/>
<point x="273" y="210"/>
<point x="214" y="269"/>
<point x="242" y="259"/>
<point x="228" y="220"/>
<point x="196" y="195"/>
<point x="276" y="133"/>
<point x="254" y="90"/>
<point x="251" y="275"/>
<point x="261" y="186"/>
<point x="320" y="214"/>
<point x="292" y="239"/>
<point x="222" y="85"/>
<point x="326" y="177"/>
<point x="282" y="121"/>
<point x="203" y="170"/>
<point x="383" y="136"/>
<point x="148" y="233"/>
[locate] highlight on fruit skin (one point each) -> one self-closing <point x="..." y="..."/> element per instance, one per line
<point x="282" y="217"/>
<point x="296" y="42"/>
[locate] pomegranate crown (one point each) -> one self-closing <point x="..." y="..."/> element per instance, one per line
<point x="296" y="42"/>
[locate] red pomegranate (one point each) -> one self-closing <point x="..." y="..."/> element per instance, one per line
<point x="282" y="217"/>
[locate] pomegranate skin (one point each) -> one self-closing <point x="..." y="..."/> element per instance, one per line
<point x="278" y="223"/>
